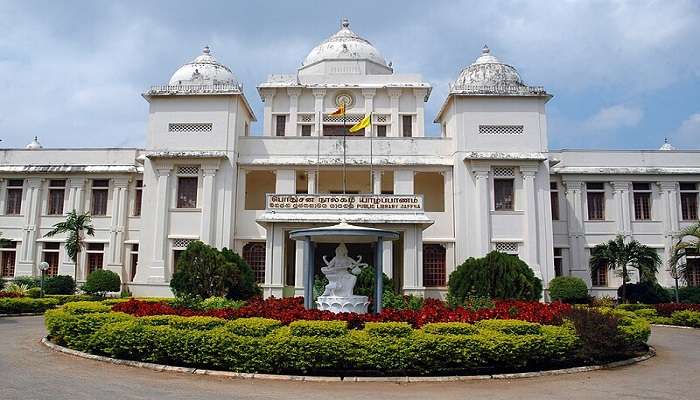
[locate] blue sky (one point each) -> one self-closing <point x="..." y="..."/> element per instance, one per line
<point x="623" y="74"/>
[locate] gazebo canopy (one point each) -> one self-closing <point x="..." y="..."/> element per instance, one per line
<point x="343" y="232"/>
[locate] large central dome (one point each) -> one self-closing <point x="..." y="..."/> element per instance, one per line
<point x="344" y="45"/>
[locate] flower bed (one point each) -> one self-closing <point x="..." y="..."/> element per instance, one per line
<point x="307" y="346"/>
<point x="291" y="309"/>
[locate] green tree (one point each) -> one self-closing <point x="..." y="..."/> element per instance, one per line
<point x="101" y="281"/>
<point x="618" y="255"/>
<point x="497" y="276"/>
<point x="246" y="287"/>
<point x="76" y="225"/>
<point x="203" y="271"/>
<point x="688" y="242"/>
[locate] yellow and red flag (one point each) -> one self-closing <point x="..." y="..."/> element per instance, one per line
<point x="340" y="111"/>
<point x="365" y="122"/>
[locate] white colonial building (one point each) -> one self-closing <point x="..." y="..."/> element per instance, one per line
<point x="487" y="181"/>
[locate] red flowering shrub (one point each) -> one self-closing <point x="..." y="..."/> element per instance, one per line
<point x="292" y="309"/>
<point x="666" y="309"/>
<point x="10" y="295"/>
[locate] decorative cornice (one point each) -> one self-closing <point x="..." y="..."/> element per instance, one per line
<point x="497" y="155"/>
<point x="626" y="170"/>
<point x="186" y="154"/>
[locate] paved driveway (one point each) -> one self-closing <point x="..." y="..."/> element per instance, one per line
<point x="29" y="371"/>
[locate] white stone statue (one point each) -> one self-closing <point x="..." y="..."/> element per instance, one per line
<point x="342" y="272"/>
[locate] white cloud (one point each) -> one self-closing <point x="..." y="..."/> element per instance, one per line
<point x="688" y="133"/>
<point x="614" y="117"/>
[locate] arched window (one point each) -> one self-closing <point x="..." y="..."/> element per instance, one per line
<point x="434" y="269"/>
<point x="254" y="255"/>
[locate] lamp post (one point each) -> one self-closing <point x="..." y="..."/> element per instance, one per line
<point x="43" y="266"/>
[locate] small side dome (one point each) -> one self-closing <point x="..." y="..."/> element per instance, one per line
<point x="666" y="146"/>
<point x="34" y="144"/>
<point x="203" y="70"/>
<point x="488" y="70"/>
<point x="345" y="45"/>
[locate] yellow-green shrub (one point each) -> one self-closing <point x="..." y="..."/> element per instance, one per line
<point x="180" y="322"/>
<point x="318" y="328"/>
<point x="86" y="307"/>
<point x="450" y="328"/>
<point x="253" y="327"/>
<point x="24" y="305"/>
<point x="686" y="318"/>
<point x="394" y="329"/>
<point x="512" y="326"/>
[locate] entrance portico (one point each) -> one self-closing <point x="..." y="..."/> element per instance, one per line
<point x="401" y="260"/>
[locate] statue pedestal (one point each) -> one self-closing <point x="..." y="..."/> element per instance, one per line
<point x="338" y="304"/>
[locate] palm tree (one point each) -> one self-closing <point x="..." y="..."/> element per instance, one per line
<point x="74" y="225"/>
<point x="617" y="254"/>
<point x="688" y="242"/>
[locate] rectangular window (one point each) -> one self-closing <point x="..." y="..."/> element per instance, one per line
<point x="51" y="255"/>
<point x="8" y="255"/>
<point x="187" y="192"/>
<point x="280" y="122"/>
<point x="558" y="262"/>
<point x="95" y="256"/>
<point x="138" y="197"/>
<point x="503" y="194"/>
<point x="689" y="201"/>
<point x="306" y="130"/>
<point x="692" y="271"/>
<point x="254" y="255"/>
<point x="595" y="199"/>
<point x="407" y="125"/>
<point x="133" y="260"/>
<point x="13" y="200"/>
<point x="554" y="199"/>
<point x="381" y="130"/>
<point x="57" y="193"/>
<point x="599" y="276"/>
<point x="642" y="201"/>
<point x="434" y="265"/>
<point x="100" y="191"/>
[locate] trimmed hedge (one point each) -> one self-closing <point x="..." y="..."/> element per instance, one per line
<point x="22" y="305"/>
<point x="686" y="318"/>
<point x="325" y="347"/>
<point x="569" y="289"/>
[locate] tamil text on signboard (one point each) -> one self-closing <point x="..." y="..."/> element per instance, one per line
<point x="365" y="202"/>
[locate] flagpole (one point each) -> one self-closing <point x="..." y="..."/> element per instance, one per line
<point x="371" y="150"/>
<point x="318" y="152"/>
<point x="344" y="159"/>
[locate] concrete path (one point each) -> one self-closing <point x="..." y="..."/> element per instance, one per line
<point x="29" y="371"/>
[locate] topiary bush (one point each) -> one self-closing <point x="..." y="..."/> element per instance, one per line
<point x="388" y="329"/>
<point x="450" y="328"/>
<point x="34" y="293"/>
<point x="497" y="276"/>
<point x="510" y="326"/>
<point x="204" y="271"/>
<point x="318" y="328"/>
<point x="60" y="284"/>
<point x="568" y="289"/>
<point x="646" y="293"/>
<point x="25" y="305"/>
<point x="365" y="285"/>
<point x="253" y="327"/>
<point x="101" y="281"/>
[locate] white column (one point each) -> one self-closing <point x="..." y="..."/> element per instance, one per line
<point x="388" y="258"/>
<point x="369" y="106"/>
<point x="31" y="208"/>
<point x="268" y="96"/>
<point x="482" y="208"/>
<point x="208" y="204"/>
<point x="162" y="209"/>
<point x="420" y="112"/>
<point x="76" y="189"/>
<point x="311" y="182"/>
<point x="277" y="276"/>
<point x="293" y="110"/>
<point x="530" y="208"/>
<point x="299" y="268"/>
<point x="575" y="224"/>
<point x="117" y="225"/>
<point x="319" y="95"/>
<point x="670" y="217"/>
<point x="403" y="181"/>
<point x="3" y="195"/>
<point x="286" y="181"/>
<point x="377" y="182"/>
<point x="394" y="95"/>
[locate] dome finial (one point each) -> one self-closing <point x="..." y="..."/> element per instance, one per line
<point x="344" y="23"/>
<point x="206" y="50"/>
<point x="485" y="50"/>
<point x="34" y="144"/>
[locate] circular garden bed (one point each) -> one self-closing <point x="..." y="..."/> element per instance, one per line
<point x="279" y="336"/>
